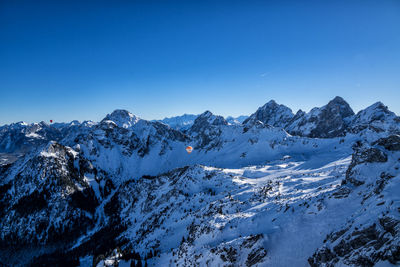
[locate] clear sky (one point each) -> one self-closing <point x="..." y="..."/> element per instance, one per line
<point x="66" y="60"/>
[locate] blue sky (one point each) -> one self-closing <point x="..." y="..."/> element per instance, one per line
<point x="83" y="59"/>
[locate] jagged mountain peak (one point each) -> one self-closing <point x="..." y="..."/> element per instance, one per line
<point x="207" y="118"/>
<point x="122" y="118"/>
<point x="15" y="125"/>
<point x="181" y="117"/>
<point x="121" y="113"/>
<point x="338" y="104"/>
<point x="324" y="122"/>
<point x="210" y="118"/>
<point x="272" y="114"/>
<point x="376" y="107"/>
<point x="376" y="112"/>
<point x="21" y="123"/>
<point x="338" y="99"/>
<point x="74" y="122"/>
<point x="300" y="112"/>
<point x="271" y="103"/>
<point x="206" y="114"/>
<point x="53" y="149"/>
<point x="379" y="104"/>
<point x="377" y="118"/>
<point x="42" y="123"/>
<point x="207" y="128"/>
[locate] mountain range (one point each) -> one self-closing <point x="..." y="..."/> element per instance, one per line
<point x="271" y="189"/>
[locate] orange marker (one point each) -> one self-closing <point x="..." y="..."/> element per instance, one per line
<point x="189" y="149"/>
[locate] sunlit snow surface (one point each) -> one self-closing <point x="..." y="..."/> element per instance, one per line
<point x="289" y="202"/>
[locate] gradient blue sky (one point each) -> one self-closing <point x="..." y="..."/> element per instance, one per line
<point x="83" y="59"/>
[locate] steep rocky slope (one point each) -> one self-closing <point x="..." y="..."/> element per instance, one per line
<point x="48" y="200"/>
<point x="271" y="114"/>
<point x="375" y="118"/>
<point x="328" y="121"/>
<point x="372" y="233"/>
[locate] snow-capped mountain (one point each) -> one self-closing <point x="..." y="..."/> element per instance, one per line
<point x="56" y="175"/>
<point x="121" y="118"/>
<point x="271" y="114"/>
<point x="186" y="121"/>
<point x="21" y="136"/>
<point x="181" y="123"/>
<point x="328" y="121"/>
<point x="236" y="121"/>
<point x="377" y="118"/>
<point x="124" y="191"/>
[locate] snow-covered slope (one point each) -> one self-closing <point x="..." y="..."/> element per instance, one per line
<point x="234" y="216"/>
<point x="249" y="194"/>
<point x="282" y="213"/>
<point x="135" y="150"/>
<point x="371" y="234"/>
<point x="278" y="214"/>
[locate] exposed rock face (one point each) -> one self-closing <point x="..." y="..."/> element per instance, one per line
<point x="391" y="143"/>
<point x="366" y="154"/>
<point x="325" y="122"/>
<point x="332" y="120"/>
<point x="206" y="120"/>
<point x="342" y="192"/>
<point x="297" y="117"/>
<point x="365" y="239"/>
<point x="362" y="247"/>
<point x="207" y="129"/>
<point x="369" y="155"/>
<point x="271" y="114"/>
